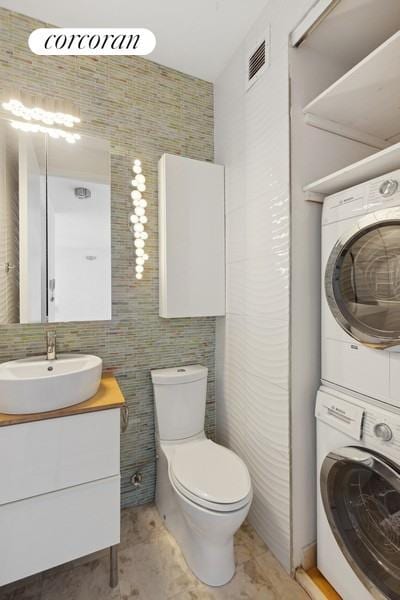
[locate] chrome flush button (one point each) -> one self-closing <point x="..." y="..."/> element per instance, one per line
<point x="388" y="188"/>
<point x="383" y="432"/>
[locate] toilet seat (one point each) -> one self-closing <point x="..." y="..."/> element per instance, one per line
<point x="211" y="476"/>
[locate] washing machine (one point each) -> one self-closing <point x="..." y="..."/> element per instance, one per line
<point x="358" y="505"/>
<point x="361" y="289"/>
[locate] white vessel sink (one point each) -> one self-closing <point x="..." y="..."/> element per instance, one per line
<point x="34" y="385"/>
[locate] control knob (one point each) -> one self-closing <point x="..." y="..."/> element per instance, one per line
<point x="388" y="188"/>
<point x="383" y="432"/>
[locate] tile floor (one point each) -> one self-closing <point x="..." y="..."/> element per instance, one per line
<point x="151" y="567"/>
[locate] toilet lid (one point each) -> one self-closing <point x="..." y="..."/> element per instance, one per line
<point x="211" y="472"/>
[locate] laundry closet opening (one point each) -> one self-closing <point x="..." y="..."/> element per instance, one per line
<point x="344" y="131"/>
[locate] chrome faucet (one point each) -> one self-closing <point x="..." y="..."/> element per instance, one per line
<point x="51" y="345"/>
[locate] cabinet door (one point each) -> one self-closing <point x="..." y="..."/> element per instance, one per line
<point x="45" y="456"/>
<point x="51" y="529"/>
<point x="191" y="237"/>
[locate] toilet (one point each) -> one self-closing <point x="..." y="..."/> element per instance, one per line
<point x="203" y="490"/>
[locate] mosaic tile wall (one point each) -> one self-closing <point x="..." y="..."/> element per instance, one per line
<point x="144" y="110"/>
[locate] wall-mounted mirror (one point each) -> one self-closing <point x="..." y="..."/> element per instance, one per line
<point x="55" y="228"/>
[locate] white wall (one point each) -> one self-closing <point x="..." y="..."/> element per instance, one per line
<point x="79" y="253"/>
<point x="253" y="358"/>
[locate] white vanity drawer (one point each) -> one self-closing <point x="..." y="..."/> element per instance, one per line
<point x="49" y="455"/>
<point x="48" y="530"/>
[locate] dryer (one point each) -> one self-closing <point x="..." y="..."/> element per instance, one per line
<point x="361" y="289"/>
<point x="358" y="504"/>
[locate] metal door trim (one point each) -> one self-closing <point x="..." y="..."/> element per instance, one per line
<point x="388" y="216"/>
<point x="379" y="466"/>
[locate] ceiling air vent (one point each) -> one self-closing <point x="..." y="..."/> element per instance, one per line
<point x="258" y="61"/>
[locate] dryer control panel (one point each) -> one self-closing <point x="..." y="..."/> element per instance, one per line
<point x="381" y="432"/>
<point x="381" y="192"/>
<point x="339" y="414"/>
<point x="379" y="427"/>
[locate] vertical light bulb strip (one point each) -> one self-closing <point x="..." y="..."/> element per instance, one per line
<point x="138" y="218"/>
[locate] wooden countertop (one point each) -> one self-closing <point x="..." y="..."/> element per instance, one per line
<point x="108" y="396"/>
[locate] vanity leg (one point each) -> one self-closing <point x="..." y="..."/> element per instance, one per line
<point x="113" y="566"/>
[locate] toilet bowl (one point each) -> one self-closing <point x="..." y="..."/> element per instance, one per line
<point x="203" y="490"/>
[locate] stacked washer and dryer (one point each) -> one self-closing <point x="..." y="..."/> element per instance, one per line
<point x="358" y="404"/>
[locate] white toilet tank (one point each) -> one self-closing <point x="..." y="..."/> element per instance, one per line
<point x="180" y="400"/>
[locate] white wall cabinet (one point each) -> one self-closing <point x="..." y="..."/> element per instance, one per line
<point x="59" y="491"/>
<point x="191" y="237"/>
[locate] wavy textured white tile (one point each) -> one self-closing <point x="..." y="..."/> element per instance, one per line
<point x="236" y="237"/>
<point x="235" y="351"/>
<point x="267" y="169"/>
<point x="263" y="517"/>
<point x="236" y="288"/>
<point x="252" y="140"/>
<point x="267" y="286"/>
<point x="259" y="228"/>
<point x="259" y="286"/>
<point x="268" y="349"/>
<point x="266" y="226"/>
<point x="267" y="412"/>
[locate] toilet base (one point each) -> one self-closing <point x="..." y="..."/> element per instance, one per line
<point x="205" y="537"/>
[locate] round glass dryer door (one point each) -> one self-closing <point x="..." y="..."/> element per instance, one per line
<point x="361" y="496"/>
<point x="362" y="280"/>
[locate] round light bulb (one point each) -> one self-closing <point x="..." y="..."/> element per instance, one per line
<point x="139" y="251"/>
<point x="136" y="195"/>
<point x="139" y="227"/>
<point x="134" y="183"/>
<point x="139" y="211"/>
<point x="143" y="219"/>
<point x="143" y="203"/>
<point x="145" y="235"/>
<point x="136" y="203"/>
<point x="140" y="178"/>
<point x="140" y="260"/>
<point x="141" y="187"/>
<point x="134" y="219"/>
<point x="137" y="162"/>
<point x="137" y="169"/>
<point x="139" y="243"/>
<point x="139" y="269"/>
<point x="145" y="256"/>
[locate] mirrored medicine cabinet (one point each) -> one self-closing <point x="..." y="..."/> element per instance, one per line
<point x="55" y="228"/>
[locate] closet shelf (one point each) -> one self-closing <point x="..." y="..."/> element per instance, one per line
<point x="373" y="166"/>
<point x="366" y="99"/>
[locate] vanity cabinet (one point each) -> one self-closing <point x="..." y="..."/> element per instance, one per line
<point x="59" y="490"/>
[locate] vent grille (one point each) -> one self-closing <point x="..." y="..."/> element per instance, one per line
<point x="257" y="60"/>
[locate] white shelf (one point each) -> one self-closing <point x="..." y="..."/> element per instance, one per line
<point x="366" y="98"/>
<point x="373" y="166"/>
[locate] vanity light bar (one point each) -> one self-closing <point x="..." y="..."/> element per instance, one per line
<point x="138" y="218"/>
<point x="18" y="109"/>
<point x="71" y="138"/>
